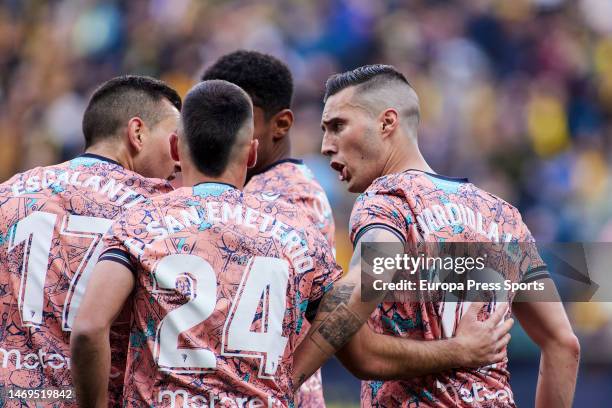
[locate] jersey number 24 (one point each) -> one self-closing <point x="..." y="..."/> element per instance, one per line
<point x="264" y="278"/>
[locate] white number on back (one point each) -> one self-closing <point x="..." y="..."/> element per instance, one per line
<point x="85" y="227"/>
<point x="203" y="288"/>
<point x="39" y="226"/>
<point x="264" y="279"/>
<point x="267" y="280"/>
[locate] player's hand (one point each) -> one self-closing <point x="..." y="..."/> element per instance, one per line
<point x="482" y="343"/>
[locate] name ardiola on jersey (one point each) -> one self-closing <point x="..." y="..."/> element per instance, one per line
<point x="420" y="206"/>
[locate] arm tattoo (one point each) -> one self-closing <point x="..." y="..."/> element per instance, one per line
<point x="339" y="327"/>
<point x="339" y="295"/>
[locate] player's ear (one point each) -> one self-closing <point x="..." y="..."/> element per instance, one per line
<point x="252" y="153"/>
<point x="174" y="147"/>
<point x="135" y="132"/>
<point x="388" y="121"/>
<point x="281" y="123"/>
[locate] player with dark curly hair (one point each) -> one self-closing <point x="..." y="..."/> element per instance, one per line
<point x="277" y="176"/>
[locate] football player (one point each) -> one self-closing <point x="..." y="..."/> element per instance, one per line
<point x="276" y="175"/>
<point x="370" y="124"/>
<point x="52" y="222"/>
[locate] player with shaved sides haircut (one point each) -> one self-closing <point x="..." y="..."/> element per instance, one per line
<point x="434" y="353"/>
<point x="358" y="98"/>
<point x="377" y="85"/>
<point x="54" y="217"/>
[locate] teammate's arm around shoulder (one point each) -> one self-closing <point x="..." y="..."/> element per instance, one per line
<point x="373" y="356"/>
<point x="110" y="285"/>
<point x="341" y="313"/>
<point x="548" y="326"/>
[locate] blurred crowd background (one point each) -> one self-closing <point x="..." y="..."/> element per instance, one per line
<point x="516" y="95"/>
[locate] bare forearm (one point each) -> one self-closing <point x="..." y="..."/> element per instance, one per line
<point x="373" y="356"/>
<point x="90" y="368"/>
<point x="340" y="316"/>
<point x="342" y="311"/>
<point x="548" y="326"/>
<point x="557" y="379"/>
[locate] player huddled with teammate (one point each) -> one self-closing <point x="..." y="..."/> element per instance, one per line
<point x="218" y="277"/>
<point x="370" y="134"/>
<point x="277" y="176"/>
<point x="214" y="283"/>
<point x="52" y="222"/>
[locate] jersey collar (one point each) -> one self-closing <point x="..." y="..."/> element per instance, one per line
<point x="447" y="178"/>
<point x="212" y="188"/>
<point x="276" y="163"/>
<point x="101" y="158"/>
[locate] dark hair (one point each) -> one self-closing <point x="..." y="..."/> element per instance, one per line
<point x="266" y="79"/>
<point x="122" y="98"/>
<point x="213" y="114"/>
<point x="362" y="75"/>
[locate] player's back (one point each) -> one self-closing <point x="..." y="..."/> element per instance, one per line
<point x="419" y="206"/>
<point x="52" y="222"/>
<point x="291" y="180"/>
<point x="220" y="276"/>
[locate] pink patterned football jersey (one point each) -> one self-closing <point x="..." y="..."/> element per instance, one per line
<point x="292" y="181"/>
<point x="222" y="278"/>
<point x="424" y="207"/>
<point x="53" y="221"/>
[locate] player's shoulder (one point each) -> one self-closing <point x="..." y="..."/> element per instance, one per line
<point x="280" y="209"/>
<point x="395" y="183"/>
<point x="491" y="200"/>
<point x="272" y="202"/>
<point x="303" y="185"/>
<point x="16" y="178"/>
<point x="390" y="187"/>
<point x="166" y="199"/>
<point x="499" y="200"/>
<point x="17" y="185"/>
<point x="99" y="166"/>
<point x="190" y="196"/>
<point x="413" y="183"/>
<point x="309" y="178"/>
<point x="149" y="187"/>
<point x="287" y="176"/>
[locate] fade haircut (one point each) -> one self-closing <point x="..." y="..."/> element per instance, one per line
<point x="214" y="113"/>
<point x="395" y="90"/>
<point x="366" y="75"/>
<point x="266" y="79"/>
<point x="118" y="100"/>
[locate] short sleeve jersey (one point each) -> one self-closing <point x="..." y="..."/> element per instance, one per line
<point x="52" y="222"/>
<point x="424" y="207"/>
<point x="221" y="277"/>
<point x="292" y="181"/>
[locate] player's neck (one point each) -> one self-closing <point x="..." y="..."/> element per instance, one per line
<point x="280" y="152"/>
<point x="192" y="177"/>
<point x="283" y="152"/>
<point x="110" y="152"/>
<point x="407" y="157"/>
